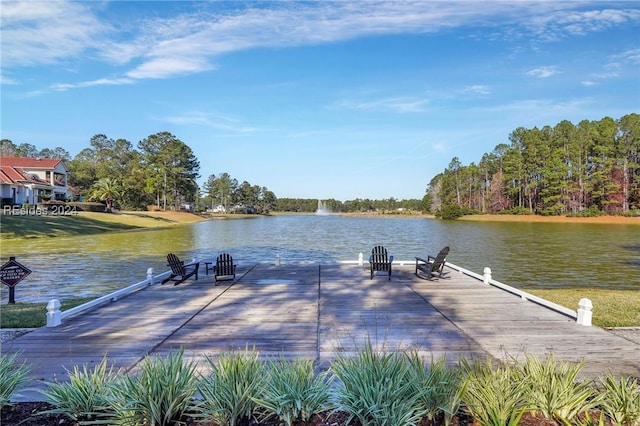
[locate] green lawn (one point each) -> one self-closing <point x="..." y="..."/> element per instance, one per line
<point x="30" y="315"/>
<point x="611" y="308"/>
<point x="34" y="226"/>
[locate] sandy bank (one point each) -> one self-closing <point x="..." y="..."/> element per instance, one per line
<point x="552" y="219"/>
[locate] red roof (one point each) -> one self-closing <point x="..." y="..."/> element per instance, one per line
<point x="39" y="163"/>
<point x="11" y="169"/>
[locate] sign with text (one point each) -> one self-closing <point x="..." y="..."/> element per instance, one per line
<point x="12" y="272"/>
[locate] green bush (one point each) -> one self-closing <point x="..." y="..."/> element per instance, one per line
<point x="553" y="390"/>
<point x="159" y="395"/>
<point x="592" y="211"/>
<point x="621" y="400"/>
<point x="373" y="387"/>
<point x="294" y="392"/>
<point x="227" y="392"/>
<point x="377" y="389"/>
<point x="519" y="210"/>
<point x="13" y="375"/>
<point x="439" y="388"/>
<point x="87" y="206"/>
<point x="450" y="212"/>
<point x="85" y="396"/>
<point x="493" y="396"/>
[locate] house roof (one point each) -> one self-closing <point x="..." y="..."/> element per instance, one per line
<point x="36" y="163"/>
<point x="12" y="169"/>
<point x="12" y="175"/>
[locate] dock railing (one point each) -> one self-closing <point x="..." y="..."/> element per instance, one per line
<point x="582" y="316"/>
<point x="55" y="316"/>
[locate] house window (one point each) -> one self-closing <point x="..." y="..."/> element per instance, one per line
<point x="48" y="176"/>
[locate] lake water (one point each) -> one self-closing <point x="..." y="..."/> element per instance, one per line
<point x="524" y="255"/>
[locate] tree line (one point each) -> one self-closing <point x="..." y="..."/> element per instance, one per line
<point x="161" y="173"/>
<point x="586" y="169"/>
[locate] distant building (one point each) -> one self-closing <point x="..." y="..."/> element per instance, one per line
<point x="31" y="180"/>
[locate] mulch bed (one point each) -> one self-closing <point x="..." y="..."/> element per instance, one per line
<point x="26" y="414"/>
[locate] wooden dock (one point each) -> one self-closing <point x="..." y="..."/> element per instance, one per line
<point x="319" y="312"/>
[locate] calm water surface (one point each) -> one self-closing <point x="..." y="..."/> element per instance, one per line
<point x="525" y="255"/>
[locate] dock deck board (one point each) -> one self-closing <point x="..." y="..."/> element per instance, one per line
<point x="320" y="312"/>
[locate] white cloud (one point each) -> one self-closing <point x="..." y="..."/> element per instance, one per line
<point x="543" y="72"/>
<point x="39" y="32"/>
<point x="395" y="104"/>
<point x="209" y="120"/>
<point x="478" y="89"/>
<point x="36" y="33"/>
<point x="7" y="80"/>
<point x="61" y="87"/>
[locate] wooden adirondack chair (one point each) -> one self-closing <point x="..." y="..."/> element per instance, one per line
<point x="379" y="261"/>
<point x="224" y="268"/>
<point x="180" y="271"/>
<point x="433" y="266"/>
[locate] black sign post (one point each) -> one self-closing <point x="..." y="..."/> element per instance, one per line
<point x="11" y="273"/>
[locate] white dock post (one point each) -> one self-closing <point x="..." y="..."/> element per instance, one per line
<point x="486" y="275"/>
<point x="585" y="312"/>
<point x="360" y="259"/>
<point x="150" y="276"/>
<point x="278" y="259"/>
<point x="54" y="318"/>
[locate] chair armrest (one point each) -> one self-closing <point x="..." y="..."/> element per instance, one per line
<point x="370" y="259"/>
<point x="430" y="258"/>
<point x="419" y="259"/>
<point x="390" y="259"/>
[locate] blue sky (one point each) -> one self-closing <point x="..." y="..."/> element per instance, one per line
<point x="321" y="100"/>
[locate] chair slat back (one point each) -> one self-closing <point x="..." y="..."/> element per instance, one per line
<point x="379" y="255"/>
<point x="177" y="267"/>
<point x="224" y="264"/>
<point x="438" y="262"/>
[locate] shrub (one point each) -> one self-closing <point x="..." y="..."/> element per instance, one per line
<point x="85" y="395"/>
<point x="438" y="387"/>
<point x="376" y="388"/>
<point x="621" y="400"/>
<point x="592" y="211"/>
<point x="227" y="391"/>
<point x="494" y="397"/>
<point x="519" y="210"/>
<point x="552" y="388"/>
<point x="294" y="391"/>
<point x="158" y="396"/>
<point x="13" y="375"/>
<point x="450" y="212"/>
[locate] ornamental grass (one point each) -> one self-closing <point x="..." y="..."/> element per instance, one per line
<point x="159" y="395"/>
<point x="376" y="388"/>
<point x="13" y="375"/>
<point x="552" y="388"/>
<point x="493" y="396"/>
<point x="621" y="400"/>
<point x="294" y="392"/>
<point x="228" y="390"/>
<point x="370" y="388"/>
<point x="85" y="397"/>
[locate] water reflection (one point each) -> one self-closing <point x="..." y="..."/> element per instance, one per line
<point x="521" y="254"/>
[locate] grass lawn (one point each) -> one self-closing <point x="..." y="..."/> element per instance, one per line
<point x="85" y="223"/>
<point x="30" y="315"/>
<point x="611" y="308"/>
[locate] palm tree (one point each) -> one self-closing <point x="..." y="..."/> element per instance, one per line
<point x="106" y="189"/>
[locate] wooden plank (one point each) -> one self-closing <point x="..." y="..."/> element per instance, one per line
<point x="321" y="313"/>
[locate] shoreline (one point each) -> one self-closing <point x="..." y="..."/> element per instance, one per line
<point x="605" y="220"/>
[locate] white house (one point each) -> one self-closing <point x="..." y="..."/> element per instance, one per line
<point x="23" y="180"/>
